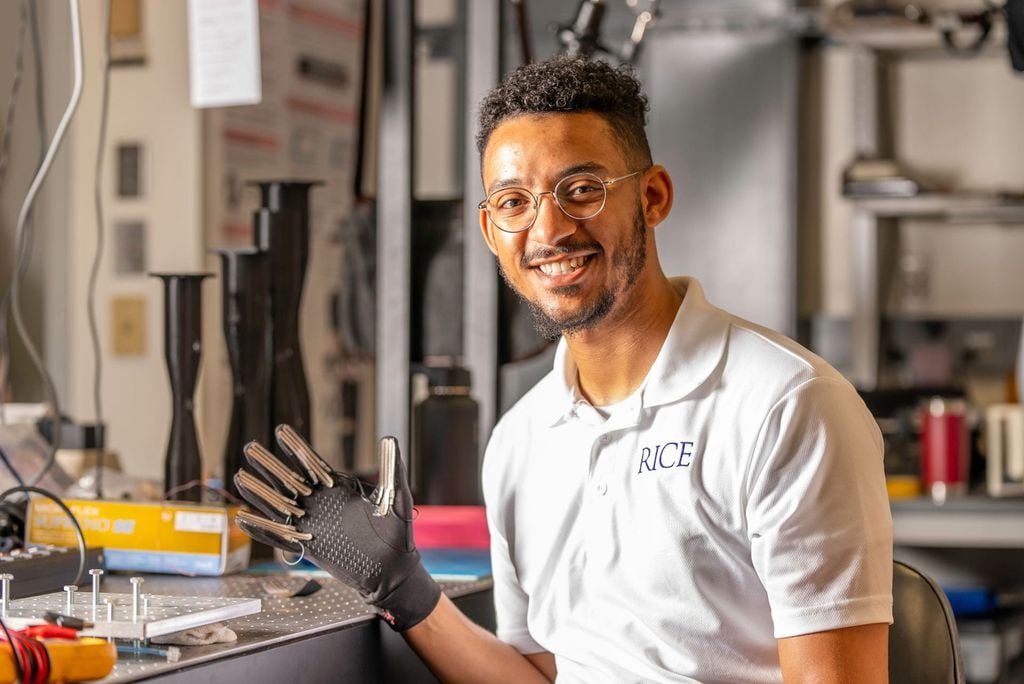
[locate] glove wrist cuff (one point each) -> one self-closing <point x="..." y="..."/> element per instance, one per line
<point x="411" y="601"/>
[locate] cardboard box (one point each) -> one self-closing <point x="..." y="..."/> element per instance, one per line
<point x="171" y="537"/>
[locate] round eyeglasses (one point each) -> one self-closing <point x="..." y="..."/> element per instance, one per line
<point x="579" y="196"/>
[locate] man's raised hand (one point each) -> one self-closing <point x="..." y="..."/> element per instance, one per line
<point x="360" y="535"/>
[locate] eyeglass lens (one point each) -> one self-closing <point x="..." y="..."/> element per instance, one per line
<point x="580" y="196"/>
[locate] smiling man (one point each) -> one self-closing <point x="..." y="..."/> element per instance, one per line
<point x="685" y="497"/>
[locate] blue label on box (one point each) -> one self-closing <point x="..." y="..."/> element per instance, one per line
<point x="162" y="561"/>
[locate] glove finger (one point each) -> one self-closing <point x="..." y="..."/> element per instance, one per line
<point x="285" y="531"/>
<point x="393" y="497"/>
<point x="317" y="470"/>
<point x="383" y="497"/>
<point x="403" y="494"/>
<point x="268" y="501"/>
<point x="253" y="465"/>
<point x="280" y="475"/>
<point x="393" y="484"/>
<point x="267" y="538"/>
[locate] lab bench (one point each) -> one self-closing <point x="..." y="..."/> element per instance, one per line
<point x="328" y="636"/>
<point x="972" y="543"/>
<point x="968" y="541"/>
<point x="974" y="521"/>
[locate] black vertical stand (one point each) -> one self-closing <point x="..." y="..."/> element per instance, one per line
<point x="282" y="230"/>
<point x="182" y="351"/>
<point x="245" y="278"/>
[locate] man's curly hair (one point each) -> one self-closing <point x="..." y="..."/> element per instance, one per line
<point x="572" y="84"/>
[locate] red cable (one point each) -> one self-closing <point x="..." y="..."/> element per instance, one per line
<point x="19" y="654"/>
<point x="42" y="659"/>
<point x="32" y="656"/>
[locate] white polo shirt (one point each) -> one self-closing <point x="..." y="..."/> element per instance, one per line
<point x="737" y="497"/>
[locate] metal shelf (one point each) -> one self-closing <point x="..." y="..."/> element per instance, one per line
<point x="952" y="207"/>
<point x="892" y="38"/>
<point x="916" y="40"/>
<point x="972" y="522"/>
<point x="879" y="44"/>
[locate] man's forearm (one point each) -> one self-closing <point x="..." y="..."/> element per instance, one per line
<point x="849" y="654"/>
<point x="457" y="650"/>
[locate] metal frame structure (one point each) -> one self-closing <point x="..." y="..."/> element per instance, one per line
<point x="874" y="137"/>
<point x="394" y="223"/>
<point x="395" y="215"/>
<point x="480" y="298"/>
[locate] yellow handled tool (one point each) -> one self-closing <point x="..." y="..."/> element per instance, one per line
<point x="74" y="660"/>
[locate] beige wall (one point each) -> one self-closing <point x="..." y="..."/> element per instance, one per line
<point x="148" y="104"/>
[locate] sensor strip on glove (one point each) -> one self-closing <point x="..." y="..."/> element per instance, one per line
<point x="384" y="497"/>
<point x="280" y="529"/>
<point x="319" y="470"/>
<point x="258" y="455"/>
<point x="270" y="496"/>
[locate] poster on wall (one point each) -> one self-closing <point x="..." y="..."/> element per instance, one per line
<point x="305" y="128"/>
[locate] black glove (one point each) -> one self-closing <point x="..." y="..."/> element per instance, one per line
<point x="365" y="540"/>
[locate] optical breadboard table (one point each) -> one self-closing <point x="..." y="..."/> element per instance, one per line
<point x="113" y="617"/>
<point x="328" y="636"/>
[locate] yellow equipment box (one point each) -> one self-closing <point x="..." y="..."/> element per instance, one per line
<point x="171" y="537"/>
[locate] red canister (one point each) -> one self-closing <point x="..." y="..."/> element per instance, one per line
<point x="944" y="448"/>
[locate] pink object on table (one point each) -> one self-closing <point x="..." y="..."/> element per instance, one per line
<point x="463" y="527"/>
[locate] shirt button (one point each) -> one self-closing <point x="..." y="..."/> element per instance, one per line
<point x="602" y="488"/>
<point x="604" y="439"/>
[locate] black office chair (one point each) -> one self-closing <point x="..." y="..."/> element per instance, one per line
<point x="924" y="647"/>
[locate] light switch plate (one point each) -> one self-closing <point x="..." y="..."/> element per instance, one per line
<point x="130" y="248"/>
<point x="130" y="160"/>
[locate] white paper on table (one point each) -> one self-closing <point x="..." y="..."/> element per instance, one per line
<point x="224" y="52"/>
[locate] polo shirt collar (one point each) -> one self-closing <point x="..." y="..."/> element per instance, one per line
<point x="691" y="352"/>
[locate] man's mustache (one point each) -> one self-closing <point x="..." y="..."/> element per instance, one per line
<point x="551" y="252"/>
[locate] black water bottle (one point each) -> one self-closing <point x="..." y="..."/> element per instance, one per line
<point x="446" y="463"/>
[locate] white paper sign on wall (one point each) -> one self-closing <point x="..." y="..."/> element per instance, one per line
<point x="224" y="52"/>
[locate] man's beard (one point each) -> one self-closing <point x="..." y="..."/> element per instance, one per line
<point x="627" y="264"/>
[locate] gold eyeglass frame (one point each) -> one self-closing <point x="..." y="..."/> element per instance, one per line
<point x="605" y="183"/>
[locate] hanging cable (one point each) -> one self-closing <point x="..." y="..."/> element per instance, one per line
<point x="31" y="659"/>
<point x="12" y="101"/>
<point x="40" y="92"/>
<point x="37" y="54"/>
<point x="28" y="8"/>
<point x="50" y="391"/>
<point x="523" y="30"/>
<point x="79" y="534"/>
<point x="10" y="468"/>
<point x="19" y="670"/>
<point x="5" y="155"/>
<point x="90" y="302"/>
<point x="948" y="24"/>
